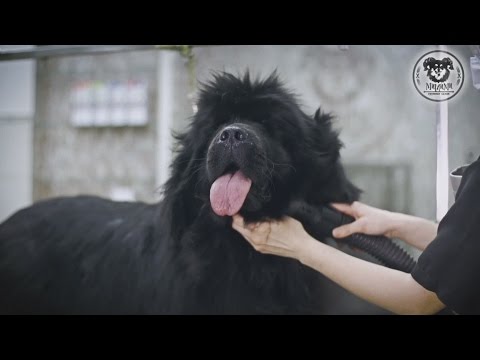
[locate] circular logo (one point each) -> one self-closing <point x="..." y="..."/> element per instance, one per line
<point x="438" y="75"/>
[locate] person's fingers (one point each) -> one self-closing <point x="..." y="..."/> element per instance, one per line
<point x="259" y="234"/>
<point x="360" y="208"/>
<point x="237" y="222"/>
<point x="255" y="233"/>
<point x="348" y="229"/>
<point x="239" y="225"/>
<point x="237" y="218"/>
<point x="345" y="208"/>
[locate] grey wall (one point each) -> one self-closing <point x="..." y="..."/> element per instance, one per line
<point x="71" y="161"/>
<point x="17" y="86"/>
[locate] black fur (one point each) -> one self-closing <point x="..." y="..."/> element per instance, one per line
<point x="87" y="255"/>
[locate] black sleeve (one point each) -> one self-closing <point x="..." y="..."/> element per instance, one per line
<point x="450" y="265"/>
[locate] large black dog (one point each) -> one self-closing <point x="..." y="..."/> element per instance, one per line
<point x="249" y="149"/>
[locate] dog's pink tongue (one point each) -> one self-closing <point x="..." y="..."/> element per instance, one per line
<point x="228" y="193"/>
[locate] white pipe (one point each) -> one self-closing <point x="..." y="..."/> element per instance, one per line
<point x="442" y="156"/>
<point x="165" y="99"/>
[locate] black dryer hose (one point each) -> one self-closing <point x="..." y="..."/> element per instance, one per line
<point x="319" y="223"/>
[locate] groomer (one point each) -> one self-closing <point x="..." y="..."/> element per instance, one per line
<point x="447" y="273"/>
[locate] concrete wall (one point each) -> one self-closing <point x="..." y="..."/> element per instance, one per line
<point x="109" y="161"/>
<point x="17" y="86"/>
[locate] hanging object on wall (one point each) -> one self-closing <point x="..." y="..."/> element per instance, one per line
<point x="109" y="104"/>
<point x="475" y="68"/>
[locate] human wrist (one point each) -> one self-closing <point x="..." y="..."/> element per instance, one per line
<point x="404" y="225"/>
<point x="398" y="223"/>
<point x="305" y="249"/>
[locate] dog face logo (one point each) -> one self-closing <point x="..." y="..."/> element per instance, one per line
<point x="438" y="75"/>
<point x="438" y="70"/>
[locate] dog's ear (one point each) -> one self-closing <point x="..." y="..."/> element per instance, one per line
<point x="448" y="63"/>
<point x="180" y="204"/>
<point x="427" y="64"/>
<point x="324" y="173"/>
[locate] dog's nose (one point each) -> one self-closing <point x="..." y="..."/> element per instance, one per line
<point x="233" y="134"/>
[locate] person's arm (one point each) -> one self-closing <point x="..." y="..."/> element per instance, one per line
<point x="390" y="289"/>
<point x="413" y="230"/>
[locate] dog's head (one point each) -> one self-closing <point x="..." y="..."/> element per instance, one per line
<point x="438" y="70"/>
<point x="251" y="149"/>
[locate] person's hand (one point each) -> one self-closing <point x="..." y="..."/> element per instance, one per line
<point x="284" y="238"/>
<point x="369" y="220"/>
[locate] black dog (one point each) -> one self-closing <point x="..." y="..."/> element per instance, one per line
<point x="438" y="70"/>
<point x="249" y="149"/>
